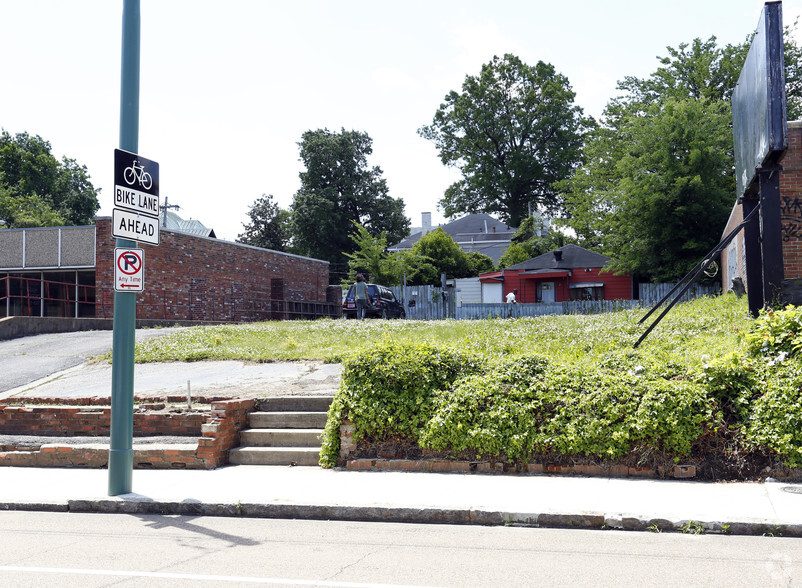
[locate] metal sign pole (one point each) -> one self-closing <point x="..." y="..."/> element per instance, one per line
<point x="121" y="453"/>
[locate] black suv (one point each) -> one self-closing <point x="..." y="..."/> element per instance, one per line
<point x="383" y="303"/>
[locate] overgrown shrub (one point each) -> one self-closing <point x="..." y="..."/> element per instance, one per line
<point x="387" y="389"/>
<point x="668" y="398"/>
<point x="775" y="421"/>
<point x="567" y="411"/>
<point x="489" y="414"/>
<point x="732" y="382"/>
<point x="775" y="332"/>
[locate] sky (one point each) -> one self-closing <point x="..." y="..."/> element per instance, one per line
<point x="228" y="88"/>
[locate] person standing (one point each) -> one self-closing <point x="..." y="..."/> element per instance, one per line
<point x="361" y="296"/>
<point x="511" y="296"/>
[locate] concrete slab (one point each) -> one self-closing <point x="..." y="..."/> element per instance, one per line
<point x="217" y="378"/>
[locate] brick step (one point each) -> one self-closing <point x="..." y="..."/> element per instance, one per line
<point x="287" y="420"/>
<point x="280" y="437"/>
<point x="296" y="404"/>
<point x="302" y="456"/>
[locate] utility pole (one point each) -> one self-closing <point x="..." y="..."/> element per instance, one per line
<point x="165" y="207"/>
<point x="121" y="452"/>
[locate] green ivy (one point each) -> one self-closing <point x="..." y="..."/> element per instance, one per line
<point x="775" y="332"/>
<point x="567" y="411"/>
<point x="387" y="390"/>
<point x="775" y="421"/>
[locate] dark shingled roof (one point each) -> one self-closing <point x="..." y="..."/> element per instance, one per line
<point x="572" y="256"/>
<point x="469" y="232"/>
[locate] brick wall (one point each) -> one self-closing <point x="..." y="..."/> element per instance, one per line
<point x="791" y="202"/>
<point x="93" y="421"/>
<point x="210" y="435"/>
<point x="615" y="287"/>
<point x="189" y="277"/>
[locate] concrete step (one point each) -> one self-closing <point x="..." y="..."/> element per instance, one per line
<point x="302" y="456"/>
<point x="280" y="437"/>
<point x="287" y="420"/>
<point x="296" y="404"/>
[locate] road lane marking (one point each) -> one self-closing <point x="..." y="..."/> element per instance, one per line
<point x="202" y="577"/>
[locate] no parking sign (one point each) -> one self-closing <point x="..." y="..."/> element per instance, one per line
<point x="129" y="269"/>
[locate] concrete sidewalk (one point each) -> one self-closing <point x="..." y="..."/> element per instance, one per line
<point x="316" y="493"/>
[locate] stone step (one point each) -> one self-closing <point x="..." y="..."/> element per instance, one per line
<point x="302" y="456"/>
<point x="296" y="404"/>
<point x="287" y="420"/>
<point x="280" y="437"/>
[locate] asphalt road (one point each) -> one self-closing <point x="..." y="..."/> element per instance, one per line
<point x="27" y="359"/>
<point x="69" y="549"/>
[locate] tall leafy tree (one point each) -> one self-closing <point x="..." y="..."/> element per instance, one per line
<point x="674" y="193"/>
<point x="48" y="191"/>
<point x="27" y="211"/>
<point x="656" y="185"/>
<point x="444" y="252"/>
<point x="478" y="263"/>
<point x="268" y="227"/>
<point x="512" y="131"/>
<point x="338" y="189"/>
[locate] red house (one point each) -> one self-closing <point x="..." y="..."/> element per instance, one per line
<point x="565" y="274"/>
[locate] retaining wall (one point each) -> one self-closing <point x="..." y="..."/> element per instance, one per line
<point x="209" y="434"/>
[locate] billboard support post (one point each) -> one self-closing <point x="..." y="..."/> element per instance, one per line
<point x="753" y="258"/>
<point x="771" y="244"/>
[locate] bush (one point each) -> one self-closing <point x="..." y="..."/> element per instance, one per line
<point x="732" y="382"/>
<point x="569" y="412"/>
<point x="593" y="396"/>
<point x="776" y="418"/>
<point x="775" y="332"/>
<point x="489" y="414"/>
<point x="387" y="389"/>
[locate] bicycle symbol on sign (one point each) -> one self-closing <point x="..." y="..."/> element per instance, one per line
<point x="137" y="172"/>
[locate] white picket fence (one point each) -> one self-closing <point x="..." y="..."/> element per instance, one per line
<point x="429" y="303"/>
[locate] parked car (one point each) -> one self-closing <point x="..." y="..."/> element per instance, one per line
<point x="383" y="303"/>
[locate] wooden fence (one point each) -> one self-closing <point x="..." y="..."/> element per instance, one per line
<point x="653" y="293"/>
<point x="430" y="303"/>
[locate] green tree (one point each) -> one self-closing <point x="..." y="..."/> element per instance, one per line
<point x="27" y="211"/>
<point x="513" y="131"/>
<point x="370" y="258"/>
<point x="416" y="269"/>
<point x="702" y="70"/>
<point x="338" y="189"/>
<point x="530" y="240"/>
<point x="657" y="203"/>
<point x="268" y="227"/>
<point x="444" y="252"/>
<point x="668" y="194"/>
<point x="478" y="263"/>
<point x="49" y="191"/>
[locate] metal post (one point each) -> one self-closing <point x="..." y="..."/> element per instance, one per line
<point x="121" y="453"/>
<point x="754" y="259"/>
<point x="771" y="244"/>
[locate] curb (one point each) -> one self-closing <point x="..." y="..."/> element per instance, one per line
<point x="421" y="515"/>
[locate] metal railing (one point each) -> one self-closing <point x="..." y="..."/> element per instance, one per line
<point x="24" y="296"/>
<point x="28" y="296"/>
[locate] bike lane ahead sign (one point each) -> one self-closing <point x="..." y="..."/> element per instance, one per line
<point x="136" y="198"/>
<point x="129" y="269"/>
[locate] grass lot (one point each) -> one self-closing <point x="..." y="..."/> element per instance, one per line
<point x="687" y="337"/>
<point x="710" y="386"/>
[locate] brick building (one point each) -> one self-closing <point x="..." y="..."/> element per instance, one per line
<point x="68" y="271"/>
<point x="733" y="257"/>
<point x="568" y="273"/>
